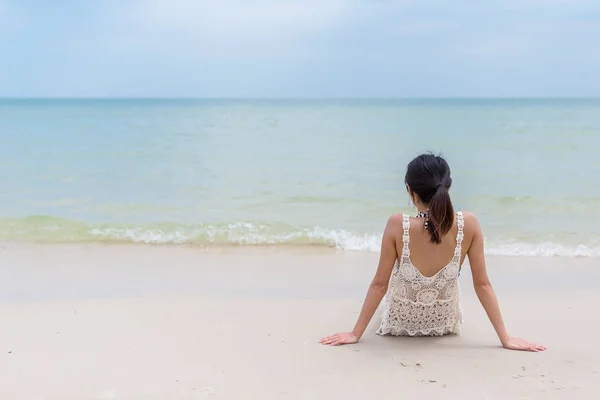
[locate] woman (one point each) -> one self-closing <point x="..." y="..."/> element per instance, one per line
<point x="423" y="295"/>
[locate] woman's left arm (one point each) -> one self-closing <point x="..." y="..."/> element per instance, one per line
<point x="378" y="287"/>
<point x="485" y="291"/>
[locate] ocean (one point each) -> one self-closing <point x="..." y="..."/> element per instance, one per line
<point x="295" y="172"/>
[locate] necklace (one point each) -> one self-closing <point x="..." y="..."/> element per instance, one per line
<point x="425" y="215"/>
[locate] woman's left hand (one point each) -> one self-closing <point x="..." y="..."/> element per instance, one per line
<point x="522" y="345"/>
<point x="339" y="339"/>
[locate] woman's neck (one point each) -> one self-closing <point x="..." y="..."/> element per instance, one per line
<point x="421" y="208"/>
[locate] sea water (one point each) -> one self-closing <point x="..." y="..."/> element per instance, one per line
<point x="295" y="172"/>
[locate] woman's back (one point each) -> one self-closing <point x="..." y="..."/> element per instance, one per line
<point x="427" y="257"/>
<point x="425" y="300"/>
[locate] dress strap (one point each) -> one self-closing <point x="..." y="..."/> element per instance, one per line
<point x="460" y="235"/>
<point x="405" y="237"/>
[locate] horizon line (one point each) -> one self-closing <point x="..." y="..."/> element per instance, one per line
<point x="300" y="98"/>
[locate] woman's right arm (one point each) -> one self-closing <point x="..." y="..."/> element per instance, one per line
<point x="378" y="287"/>
<point x="485" y="291"/>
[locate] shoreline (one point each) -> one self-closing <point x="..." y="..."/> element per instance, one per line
<point x="542" y="251"/>
<point x="151" y="322"/>
<point x="103" y="270"/>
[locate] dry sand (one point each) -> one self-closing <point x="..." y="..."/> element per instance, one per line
<point x="135" y="322"/>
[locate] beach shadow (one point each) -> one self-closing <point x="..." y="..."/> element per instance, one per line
<point x="428" y="342"/>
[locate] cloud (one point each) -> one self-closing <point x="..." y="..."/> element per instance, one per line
<point x="226" y="23"/>
<point x="314" y="48"/>
<point x="236" y="15"/>
<point x="255" y="30"/>
<point x="561" y="5"/>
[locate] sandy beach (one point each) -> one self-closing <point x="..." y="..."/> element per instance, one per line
<point x="140" y="322"/>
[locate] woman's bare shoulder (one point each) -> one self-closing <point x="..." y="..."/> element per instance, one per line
<point x="468" y="215"/>
<point x="471" y="221"/>
<point x="393" y="228"/>
<point x="395" y="219"/>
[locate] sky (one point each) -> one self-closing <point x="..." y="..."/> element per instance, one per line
<point x="299" y="48"/>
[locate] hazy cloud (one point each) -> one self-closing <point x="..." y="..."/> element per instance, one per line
<point x="314" y="48"/>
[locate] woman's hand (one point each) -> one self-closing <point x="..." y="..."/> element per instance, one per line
<point x="339" y="339"/>
<point x="522" y="345"/>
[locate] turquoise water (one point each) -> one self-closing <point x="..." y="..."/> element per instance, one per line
<point x="295" y="171"/>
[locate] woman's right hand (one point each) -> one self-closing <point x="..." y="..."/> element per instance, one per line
<point x="339" y="339"/>
<point x="522" y="345"/>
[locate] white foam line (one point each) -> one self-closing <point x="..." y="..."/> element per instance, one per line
<point x="243" y="233"/>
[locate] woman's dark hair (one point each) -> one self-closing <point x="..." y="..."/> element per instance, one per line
<point x="428" y="176"/>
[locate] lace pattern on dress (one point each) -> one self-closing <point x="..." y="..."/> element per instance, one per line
<point x="417" y="305"/>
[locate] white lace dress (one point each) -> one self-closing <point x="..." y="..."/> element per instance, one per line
<point x="416" y="305"/>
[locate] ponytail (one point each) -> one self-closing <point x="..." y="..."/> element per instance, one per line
<point x="441" y="214"/>
<point x="428" y="177"/>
